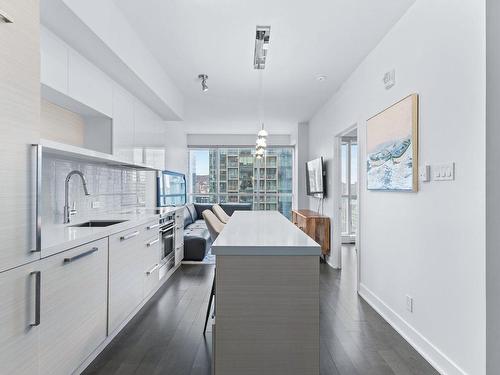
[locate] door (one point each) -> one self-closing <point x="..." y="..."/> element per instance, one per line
<point x="19" y="332"/>
<point x="20" y="127"/>
<point x="74" y="307"/>
<point x="126" y="270"/>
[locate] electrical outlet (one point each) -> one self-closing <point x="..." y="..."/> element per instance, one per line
<point x="409" y="304"/>
<point x="95" y="204"/>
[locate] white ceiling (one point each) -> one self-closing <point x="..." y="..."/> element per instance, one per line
<point x="216" y="37"/>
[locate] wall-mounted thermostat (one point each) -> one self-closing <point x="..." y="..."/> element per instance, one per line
<point x="389" y="79"/>
<point x="424" y="173"/>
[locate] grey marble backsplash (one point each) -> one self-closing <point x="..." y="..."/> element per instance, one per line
<point x="113" y="188"/>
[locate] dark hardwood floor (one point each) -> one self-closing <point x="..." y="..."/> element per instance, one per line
<point x="166" y="336"/>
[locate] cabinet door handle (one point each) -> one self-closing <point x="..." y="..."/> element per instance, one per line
<point x="149" y="244"/>
<point x="38" y="199"/>
<point x="152" y="269"/>
<point x="76" y="257"/>
<point x="153" y="226"/>
<point x="129" y="236"/>
<point x="38" y="286"/>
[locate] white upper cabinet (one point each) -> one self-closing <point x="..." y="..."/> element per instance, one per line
<point x="89" y="85"/>
<point x="146" y="126"/>
<point x="19" y="127"/>
<point x="123" y="124"/>
<point x="54" y="62"/>
<point x="149" y="136"/>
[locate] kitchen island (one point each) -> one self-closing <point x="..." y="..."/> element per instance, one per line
<point x="267" y="297"/>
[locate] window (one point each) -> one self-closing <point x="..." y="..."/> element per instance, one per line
<point x="234" y="175"/>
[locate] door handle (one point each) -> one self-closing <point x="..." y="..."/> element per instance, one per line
<point x="38" y="198"/>
<point x="38" y="286"/>
<point x="153" y="226"/>
<point x="76" y="257"/>
<point x="129" y="236"/>
<point x="149" y="244"/>
<point x="152" y="269"/>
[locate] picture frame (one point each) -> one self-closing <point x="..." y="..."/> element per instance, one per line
<point x="392" y="147"/>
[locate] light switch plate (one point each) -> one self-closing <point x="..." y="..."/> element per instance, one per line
<point x="424" y="173"/>
<point x="95" y="204"/>
<point x="444" y="172"/>
<point x="409" y="303"/>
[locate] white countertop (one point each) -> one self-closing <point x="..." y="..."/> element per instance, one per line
<point x="61" y="237"/>
<point x="263" y="233"/>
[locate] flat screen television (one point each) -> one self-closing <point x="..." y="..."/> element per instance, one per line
<point x="171" y="189"/>
<point x="316" y="178"/>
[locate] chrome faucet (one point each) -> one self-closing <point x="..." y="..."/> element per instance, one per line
<point x="67" y="211"/>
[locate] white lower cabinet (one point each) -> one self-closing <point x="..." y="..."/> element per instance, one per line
<point x="19" y="341"/>
<point x="126" y="269"/>
<point x="73" y="307"/>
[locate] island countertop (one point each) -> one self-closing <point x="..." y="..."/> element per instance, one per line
<point x="263" y="233"/>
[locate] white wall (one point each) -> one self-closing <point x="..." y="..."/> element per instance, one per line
<point x="492" y="186"/>
<point x="429" y="245"/>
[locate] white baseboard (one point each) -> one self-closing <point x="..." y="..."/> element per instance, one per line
<point x="113" y="334"/>
<point x="433" y="355"/>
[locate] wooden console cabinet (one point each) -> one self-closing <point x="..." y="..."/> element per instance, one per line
<point x="315" y="226"/>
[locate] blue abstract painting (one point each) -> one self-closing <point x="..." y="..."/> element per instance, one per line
<point x="392" y="144"/>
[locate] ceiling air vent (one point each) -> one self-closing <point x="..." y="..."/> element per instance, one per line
<point x="262" y="35"/>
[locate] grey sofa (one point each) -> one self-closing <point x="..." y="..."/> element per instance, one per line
<point x="196" y="237"/>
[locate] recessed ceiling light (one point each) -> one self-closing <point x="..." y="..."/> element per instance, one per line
<point x="321" y="78"/>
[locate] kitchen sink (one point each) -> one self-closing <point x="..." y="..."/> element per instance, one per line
<point x="97" y="223"/>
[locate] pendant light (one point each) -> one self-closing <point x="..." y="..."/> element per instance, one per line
<point x="261" y="142"/>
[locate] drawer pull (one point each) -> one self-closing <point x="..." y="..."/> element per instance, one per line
<point x="149" y="227"/>
<point x="149" y="244"/>
<point x="38" y="280"/>
<point x="76" y="257"/>
<point x="129" y="236"/>
<point x="152" y="269"/>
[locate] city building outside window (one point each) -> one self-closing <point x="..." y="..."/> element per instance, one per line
<point x="234" y="175"/>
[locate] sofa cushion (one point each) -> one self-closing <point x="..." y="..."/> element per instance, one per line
<point x="197" y="224"/>
<point x="231" y="207"/>
<point x="228" y="207"/>
<point x="187" y="217"/>
<point x="193" y="212"/>
<point x="196" y="243"/>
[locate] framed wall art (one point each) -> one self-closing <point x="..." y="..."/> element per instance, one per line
<point x="392" y="147"/>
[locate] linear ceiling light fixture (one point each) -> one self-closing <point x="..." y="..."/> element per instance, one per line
<point x="203" y="78"/>
<point x="262" y="36"/>
<point x="4" y="18"/>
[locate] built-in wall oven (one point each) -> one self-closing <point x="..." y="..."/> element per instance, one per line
<point x="167" y="238"/>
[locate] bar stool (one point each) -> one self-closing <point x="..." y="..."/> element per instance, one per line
<point x="214" y="226"/>
<point x="220" y="213"/>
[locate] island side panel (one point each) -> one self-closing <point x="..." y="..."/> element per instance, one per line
<point x="267" y="315"/>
